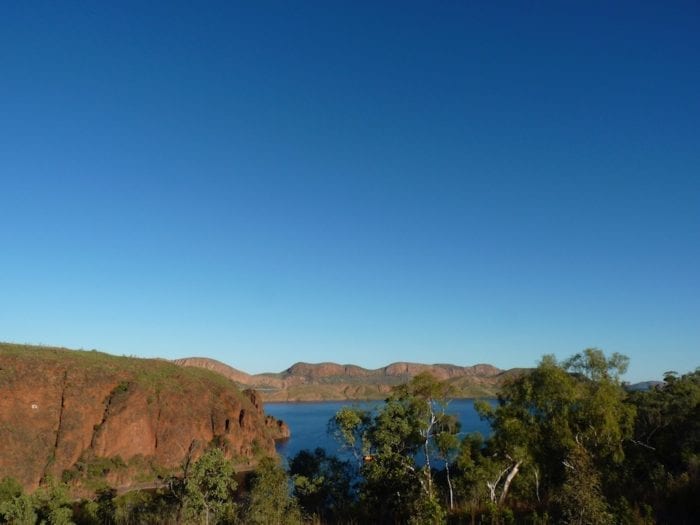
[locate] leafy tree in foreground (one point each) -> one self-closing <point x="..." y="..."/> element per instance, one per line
<point x="322" y="484"/>
<point x="349" y="426"/>
<point x="663" y="468"/>
<point x="446" y="444"/>
<point x="564" y="425"/>
<point x="210" y="488"/>
<point x="152" y="508"/>
<point x="52" y="503"/>
<point x="9" y="488"/>
<point x="580" y="497"/>
<point x="16" y="507"/>
<point x="427" y="399"/>
<point x="394" y="487"/>
<point x="19" y="511"/>
<point x="270" y="502"/>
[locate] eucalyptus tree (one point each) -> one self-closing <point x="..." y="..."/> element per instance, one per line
<point x="210" y="488"/>
<point x="386" y="444"/>
<point x="350" y="427"/>
<point x="424" y="400"/>
<point x="563" y="423"/>
<point x="270" y="501"/>
<point x="323" y="485"/>
<point x="663" y="468"/>
<point x="446" y="444"/>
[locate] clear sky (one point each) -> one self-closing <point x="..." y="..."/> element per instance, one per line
<point x="362" y="182"/>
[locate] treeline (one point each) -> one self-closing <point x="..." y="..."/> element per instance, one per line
<point x="568" y="445"/>
<point x="206" y="493"/>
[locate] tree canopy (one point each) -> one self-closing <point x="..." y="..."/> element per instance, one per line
<point x="568" y="443"/>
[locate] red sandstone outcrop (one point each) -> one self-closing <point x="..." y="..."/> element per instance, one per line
<point x="61" y="410"/>
<point x="332" y="381"/>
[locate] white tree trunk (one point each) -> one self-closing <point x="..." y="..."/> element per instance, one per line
<point x="492" y="485"/>
<point x="449" y="484"/>
<point x="506" y="485"/>
<point x="492" y="490"/>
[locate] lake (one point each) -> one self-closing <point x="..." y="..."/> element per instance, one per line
<point x="308" y="422"/>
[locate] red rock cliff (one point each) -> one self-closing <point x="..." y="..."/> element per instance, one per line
<point x="61" y="409"/>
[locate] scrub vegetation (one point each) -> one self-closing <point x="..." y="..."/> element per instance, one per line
<point x="569" y="444"/>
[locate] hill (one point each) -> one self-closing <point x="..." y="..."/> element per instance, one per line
<point x="642" y="386"/>
<point x="332" y="381"/>
<point x="91" y="418"/>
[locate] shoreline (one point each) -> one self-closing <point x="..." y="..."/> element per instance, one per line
<point x="368" y="400"/>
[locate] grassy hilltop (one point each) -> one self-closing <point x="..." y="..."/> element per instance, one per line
<point x="91" y="418"/>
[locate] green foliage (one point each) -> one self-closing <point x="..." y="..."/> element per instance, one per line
<point x="132" y="507"/>
<point x="580" y="498"/>
<point x="91" y="471"/>
<point x="106" y="509"/>
<point x="53" y="504"/>
<point x="85" y="513"/>
<point x="18" y="510"/>
<point x="155" y="375"/>
<point x="568" y="445"/>
<point x="474" y="469"/>
<point x="385" y="444"/>
<point x="663" y="467"/>
<point x="15" y="506"/>
<point x="210" y="488"/>
<point x="121" y="388"/>
<point x="100" y="511"/>
<point x="269" y="501"/>
<point x="546" y="416"/>
<point x="9" y="488"/>
<point x="426" y="510"/>
<point x="322" y="485"/>
<point x="349" y="426"/>
<point x="593" y="364"/>
<point x="141" y="507"/>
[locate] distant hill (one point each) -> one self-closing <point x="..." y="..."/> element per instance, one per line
<point x="91" y="418"/>
<point x="642" y="386"/>
<point x="332" y="381"/>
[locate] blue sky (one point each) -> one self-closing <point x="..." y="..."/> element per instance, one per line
<point x="358" y="182"/>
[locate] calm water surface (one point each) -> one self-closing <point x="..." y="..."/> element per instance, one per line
<point x="309" y="422"/>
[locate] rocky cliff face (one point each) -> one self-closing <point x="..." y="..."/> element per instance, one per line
<point x="75" y="415"/>
<point x="332" y="381"/>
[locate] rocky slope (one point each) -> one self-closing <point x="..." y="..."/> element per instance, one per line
<point x="331" y="381"/>
<point x="92" y="418"/>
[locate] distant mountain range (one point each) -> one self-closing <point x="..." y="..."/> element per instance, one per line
<point x="332" y="381"/>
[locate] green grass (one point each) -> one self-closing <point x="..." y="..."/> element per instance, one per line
<point x="158" y="374"/>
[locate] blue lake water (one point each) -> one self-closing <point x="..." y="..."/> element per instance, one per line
<point x="308" y="422"/>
